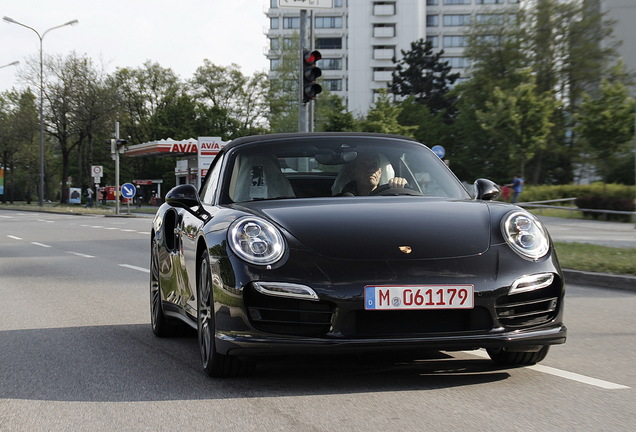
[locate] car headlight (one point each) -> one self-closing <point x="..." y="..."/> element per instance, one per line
<point x="525" y="234"/>
<point x="256" y="241"/>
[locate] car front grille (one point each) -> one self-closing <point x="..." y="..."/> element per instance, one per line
<point x="529" y="308"/>
<point x="415" y="322"/>
<point x="288" y="316"/>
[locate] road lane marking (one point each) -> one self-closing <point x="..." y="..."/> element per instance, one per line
<point x="141" y="269"/>
<point x="6" y="217"/>
<point x="578" y="377"/>
<point x="80" y="254"/>
<point x="563" y="374"/>
<point x="14" y="237"/>
<point x="40" y="244"/>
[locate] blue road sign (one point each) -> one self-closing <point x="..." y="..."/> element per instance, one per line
<point x="439" y="151"/>
<point x="128" y="190"/>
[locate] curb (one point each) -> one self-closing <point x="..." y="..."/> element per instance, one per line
<point x="601" y="280"/>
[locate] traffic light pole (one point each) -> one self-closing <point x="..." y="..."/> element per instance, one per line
<point x="302" y="106"/>
<point x="116" y="169"/>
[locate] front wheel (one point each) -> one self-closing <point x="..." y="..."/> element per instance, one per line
<point x="517" y="358"/>
<point x="214" y="364"/>
<point x="159" y="321"/>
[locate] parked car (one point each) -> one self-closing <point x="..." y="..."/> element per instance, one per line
<point x="284" y="249"/>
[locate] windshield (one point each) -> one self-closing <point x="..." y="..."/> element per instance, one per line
<point x="331" y="166"/>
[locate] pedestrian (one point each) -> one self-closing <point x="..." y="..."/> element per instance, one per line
<point x="517" y="187"/>
<point x="89" y="197"/>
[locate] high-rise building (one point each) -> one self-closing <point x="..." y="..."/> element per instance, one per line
<point x="359" y="38"/>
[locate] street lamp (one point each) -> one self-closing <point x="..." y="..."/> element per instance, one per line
<point x="70" y="23"/>
<point x="15" y="63"/>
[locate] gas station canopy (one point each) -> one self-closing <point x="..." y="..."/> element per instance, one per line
<point x="164" y="147"/>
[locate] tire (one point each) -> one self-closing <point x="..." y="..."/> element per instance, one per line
<point x="214" y="364"/>
<point x="517" y="358"/>
<point x="158" y="320"/>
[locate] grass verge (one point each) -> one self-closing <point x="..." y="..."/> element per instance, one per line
<point x="595" y="258"/>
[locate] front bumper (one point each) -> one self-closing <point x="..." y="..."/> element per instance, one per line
<point x="237" y="344"/>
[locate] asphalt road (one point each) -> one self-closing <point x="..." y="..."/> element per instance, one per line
<point x="77" y="353"/>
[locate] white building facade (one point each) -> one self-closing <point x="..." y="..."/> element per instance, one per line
<point x="359" y="38"/>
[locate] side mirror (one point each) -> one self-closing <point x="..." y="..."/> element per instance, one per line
<point x="184" y="195"/>
<point x="486" y="190"/>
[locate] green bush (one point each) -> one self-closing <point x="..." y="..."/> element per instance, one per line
<point x="552" y="192"/>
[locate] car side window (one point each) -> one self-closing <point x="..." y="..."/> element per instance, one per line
<point x="208" y="191"/>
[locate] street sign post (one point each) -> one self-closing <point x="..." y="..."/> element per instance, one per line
<point x="128" y="191"/>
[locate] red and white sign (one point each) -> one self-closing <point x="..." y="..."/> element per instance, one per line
<point x="209" y="147"/>
<point x="389" y="297"/>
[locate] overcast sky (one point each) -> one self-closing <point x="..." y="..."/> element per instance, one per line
<point x="126" y="33"/>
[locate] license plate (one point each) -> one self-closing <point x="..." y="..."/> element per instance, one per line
<point x="390" y="297"/>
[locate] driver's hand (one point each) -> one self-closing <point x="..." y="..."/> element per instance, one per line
<point x="397" y="182"/>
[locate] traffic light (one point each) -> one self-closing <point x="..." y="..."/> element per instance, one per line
<point x="310" y="74"/>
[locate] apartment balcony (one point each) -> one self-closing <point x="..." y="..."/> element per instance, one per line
<point x="384" y="10"/>
<point x="384" y="31"/>
<point x="383" y="54"/>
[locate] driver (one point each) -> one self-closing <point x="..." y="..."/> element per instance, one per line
<point x="366" y="172"/>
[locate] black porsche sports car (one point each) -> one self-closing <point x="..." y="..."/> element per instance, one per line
<point x="335" y="242"/>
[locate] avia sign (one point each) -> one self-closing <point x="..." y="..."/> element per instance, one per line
<point x="209" y="147"/>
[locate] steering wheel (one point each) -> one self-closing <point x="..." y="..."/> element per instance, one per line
<point x="385" y="189"/>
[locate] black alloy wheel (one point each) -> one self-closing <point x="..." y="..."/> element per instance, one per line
<point x="214" y="364"/>
<point x="158" y="320"/>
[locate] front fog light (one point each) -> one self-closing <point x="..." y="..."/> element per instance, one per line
<point x="531" y="283"/>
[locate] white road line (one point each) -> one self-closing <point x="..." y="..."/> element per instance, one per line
<point x="40" y="244"/>
<point x="44" y="220"/>
<point x="14" y="237"/>
<point x="6" y="217"/>
<point x="80" y="254"/>
<point x="563" y="374"/>
<point x="141" y="269"/>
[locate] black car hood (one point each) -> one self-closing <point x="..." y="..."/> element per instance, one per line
<point x="384" y="228"/>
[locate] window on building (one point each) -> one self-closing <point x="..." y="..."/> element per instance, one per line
<point x="457" y="62"/>
<point x="457" y="2"/>
<point x="329" y="22"/>
<point x="291" y="22"/>
<point x="490" y="18"/>
<point x="274" y="44"/>
<point x="330" y="64"/>
<point x="454" y="41"/>
<point x="432" y="2"/>
<point x="456" y="20"/>
<point x="329" y="43"/>
<point x="337" y="3"/>
<point x="290" y="43"/>
<point x="274" y="64"/>
<point x="432" y="20"/>
<point x="332" y="84"/>
<point x="434" y="40"/>
<point x="274" y="23"/>
<point x="489" y="1"/>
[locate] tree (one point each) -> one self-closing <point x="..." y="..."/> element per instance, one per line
<point x="331" y="115"/>
<point x="423" y="75"/>
<point x="383" y="118"/>
<point x="519" y="119"/>
<point x="242" y="97"/>
<point x="606" y="124"/>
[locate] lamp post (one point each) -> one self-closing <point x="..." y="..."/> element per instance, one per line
<point x="41" y="37"/>
<point x="15" y="63"/>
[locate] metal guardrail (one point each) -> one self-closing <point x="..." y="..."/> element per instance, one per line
<point x="541" y="205"/>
